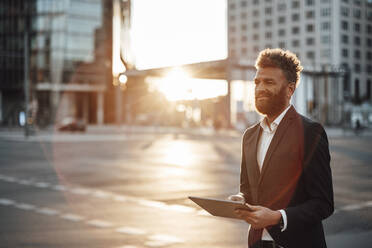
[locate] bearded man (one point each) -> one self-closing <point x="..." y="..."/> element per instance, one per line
<point x="285" y="176"/>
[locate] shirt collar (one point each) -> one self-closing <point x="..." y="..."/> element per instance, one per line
<point x="275" y="123"/>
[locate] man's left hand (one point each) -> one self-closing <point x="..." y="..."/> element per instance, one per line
<point x="259" y="217"/>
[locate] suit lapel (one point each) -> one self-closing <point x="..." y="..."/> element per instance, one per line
<point x="251" y="151"/>
<point x="279" y="134"/>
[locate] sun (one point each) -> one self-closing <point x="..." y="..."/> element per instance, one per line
<point x="179" y="85"/>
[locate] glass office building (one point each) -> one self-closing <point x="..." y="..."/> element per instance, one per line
<point x="69" y="59"/>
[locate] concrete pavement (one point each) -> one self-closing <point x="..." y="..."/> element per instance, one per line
<point x="351" y="176"/>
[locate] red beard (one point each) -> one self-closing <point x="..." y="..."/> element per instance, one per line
<point x="271" y="104"/>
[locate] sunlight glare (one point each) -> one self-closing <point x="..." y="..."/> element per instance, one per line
<point x="179" y="153"/>
<point x="117" y="65"/>
<point x="178" y="85"/>
<point x="165" y="34"/>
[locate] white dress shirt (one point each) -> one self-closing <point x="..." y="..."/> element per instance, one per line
<point x="264" y="141"/>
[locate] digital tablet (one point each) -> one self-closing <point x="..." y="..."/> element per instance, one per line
<point x="221" y="208"/>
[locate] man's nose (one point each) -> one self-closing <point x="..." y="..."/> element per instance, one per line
<point x="259" y="88"/>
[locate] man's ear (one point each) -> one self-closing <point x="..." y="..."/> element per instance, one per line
<point x="291" y="89"/>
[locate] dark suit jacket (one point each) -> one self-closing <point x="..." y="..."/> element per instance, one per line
<point x="296" y="176"/>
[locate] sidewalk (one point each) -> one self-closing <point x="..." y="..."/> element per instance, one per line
<point x="111" y="133"/>
<point x="125" y="132"/>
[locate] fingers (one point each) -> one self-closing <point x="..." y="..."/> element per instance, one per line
<point x="242" y="213"/>
<point x="247" y="216"/>
<point x="254" y="215"/>
<point x="252" y="207"/>
<point x="237" y="198"/>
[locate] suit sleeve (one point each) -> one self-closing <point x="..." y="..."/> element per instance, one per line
<point x="317" y="179"/>
<point x="244" y="183"/>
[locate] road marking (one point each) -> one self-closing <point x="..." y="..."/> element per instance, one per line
<point x="99" y="223"/>
<point x="47" y="211"/>
<point x="105" y="195"/>
<point x="24" y="206"/>
<point x="8" y="179"/>
<point x="120" y="198"/>
<point x="72" y="217"/>
<point x="354" y="207"/>
<point x="148" y="203"/>
<point x="158" y="240"/>
<point x="351" y="207"/>
<point x="131" y="230"/>
<point x="155" y="243"/>
<point x="166" y="239"/>
<point x="60" y="187"/>
<point x="81" y="191"/>
<point x="25" y="182"/>
<point x="164" y="206"/>
<point x="181" y="208"/>
<point x="155" y="240"/>
<point x="367" y="204"/>
<point x="101" y="194"/>
<point x="6" y="202"/>
<point x="42" y="185"/>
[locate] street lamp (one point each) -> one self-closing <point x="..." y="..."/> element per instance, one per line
<point x="123" y="79"/>
<point x="26" y="86"/>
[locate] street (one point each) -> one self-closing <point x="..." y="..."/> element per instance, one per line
<point x="130" y="190"/>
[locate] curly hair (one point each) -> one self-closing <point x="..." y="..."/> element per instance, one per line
<point x="284" y="60"/>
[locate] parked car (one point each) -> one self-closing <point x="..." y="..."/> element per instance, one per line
<point x="72" y="124"/>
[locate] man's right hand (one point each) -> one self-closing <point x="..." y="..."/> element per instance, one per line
<point x="237" y="198"/>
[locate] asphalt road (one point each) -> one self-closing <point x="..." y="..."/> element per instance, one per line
<point x="131" y="191"/>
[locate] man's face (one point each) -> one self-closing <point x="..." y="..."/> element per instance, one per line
<point x="272" y="92"/>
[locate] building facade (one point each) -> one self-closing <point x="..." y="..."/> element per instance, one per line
<point x="332" y="38"/>
<point x="69" y="60"/>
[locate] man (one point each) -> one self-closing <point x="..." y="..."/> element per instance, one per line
<point x="285" y="175"/>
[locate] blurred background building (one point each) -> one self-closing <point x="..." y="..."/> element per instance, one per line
<point x="69" y="51"/>
<point x="79" y="64"/>
<point x="333" y="40"/>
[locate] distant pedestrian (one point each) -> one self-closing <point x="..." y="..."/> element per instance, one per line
<point x="358" y="127"/>
<point x="285" y="173"/>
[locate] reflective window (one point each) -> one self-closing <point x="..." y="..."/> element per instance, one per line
<point x="325" y="26"/>
<point x="295" y="30"/>
<point x="281" y="19"/>
<point x="326" y="12"/>
<point x="357" y="13"/>
<point x="310" y="55"/>
<point x="357" y="40"/>
<point x="345" y="53"/>
<point x="309" y="41"/>
<point x="325" y="39"/>
<point x="345" y="25"/>
<point x="326" y="53"/>
<point x="345" y="39"/>
<point x="295" y="43"/>
<point x="344" y="11"/>
<point x="282" y="6"/>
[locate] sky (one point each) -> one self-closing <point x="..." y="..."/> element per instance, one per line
<point x="175" y="32"/>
